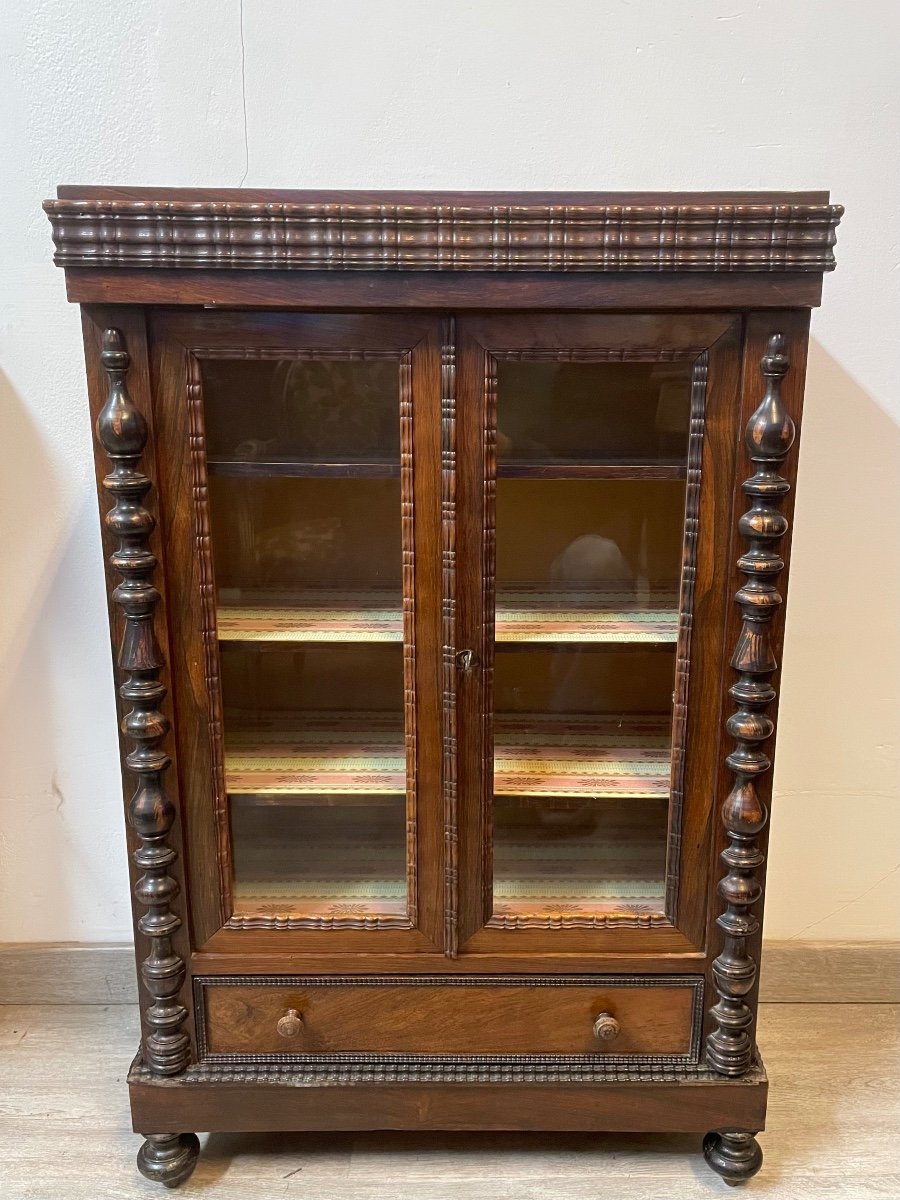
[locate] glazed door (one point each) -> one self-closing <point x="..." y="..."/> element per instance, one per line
<point x="301" y="515"/>
<point x="589" y="618"/>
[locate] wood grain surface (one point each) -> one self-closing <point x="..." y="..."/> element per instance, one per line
<point x="429" y="1019"/>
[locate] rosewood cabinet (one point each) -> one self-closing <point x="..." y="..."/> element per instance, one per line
<point x="446" y="539"/>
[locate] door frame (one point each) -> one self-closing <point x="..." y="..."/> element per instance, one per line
<point x="178" y="342"/>
<point x="481" y="342"/>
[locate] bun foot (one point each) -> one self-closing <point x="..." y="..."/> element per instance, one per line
<point x="735" y="1156"/>
<point x="168" y="1158"/>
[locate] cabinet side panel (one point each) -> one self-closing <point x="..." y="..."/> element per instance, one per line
<point x="130" y="323"/>
<point x="761" y="327"/>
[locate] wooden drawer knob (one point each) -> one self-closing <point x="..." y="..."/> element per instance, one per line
<point x="606" y="1027"/>
<point x="290" y="1024"/>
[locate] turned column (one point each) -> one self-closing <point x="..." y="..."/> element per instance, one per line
<point x="769" y="436"/>
<point x="122" y="432"/>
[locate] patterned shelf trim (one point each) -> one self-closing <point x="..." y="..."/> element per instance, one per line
<point x="319" y="616"/>
<point x="523" y="615"/>
<point x="579" y="757"/>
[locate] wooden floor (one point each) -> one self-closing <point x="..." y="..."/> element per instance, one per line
<point x="834" y="1128"/>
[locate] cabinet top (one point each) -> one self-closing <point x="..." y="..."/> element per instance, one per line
<point x="253" y="229"/>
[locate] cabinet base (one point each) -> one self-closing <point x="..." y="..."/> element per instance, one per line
<point x="378" y="1095"/>
<point x="270" y="1098"/>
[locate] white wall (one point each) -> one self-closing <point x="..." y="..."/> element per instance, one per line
<point x="413" y="93"/>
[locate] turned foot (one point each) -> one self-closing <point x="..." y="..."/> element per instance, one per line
<point x="168" y="1158"/>
<point x="735" y="1156"/>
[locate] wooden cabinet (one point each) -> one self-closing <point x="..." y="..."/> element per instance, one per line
<point x="448" y="662"/>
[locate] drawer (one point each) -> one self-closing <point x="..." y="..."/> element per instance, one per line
<point x="333" y="1017"/>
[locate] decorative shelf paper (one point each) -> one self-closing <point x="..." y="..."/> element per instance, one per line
<point x="340" y="754"/>
<point x="313" y="616"/>
<point x="523" y="616"/>
<point x="529" y="615"/>
<point x="582" y="757"/>
<point x="333" y="754"/>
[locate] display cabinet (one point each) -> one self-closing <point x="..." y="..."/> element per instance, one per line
<point x="446" y="539"/>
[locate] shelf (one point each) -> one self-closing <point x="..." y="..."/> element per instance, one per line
<point x="533" y="615"/>
<point x="333" y="754"/>
<point x="311" y="469"/>
<point x="314" y="616"/>
<point x="584" y="757"/>
<point x="506" y="469"/>
<point x="535" y="756"/>
<point x="524" y="616"/>
<point x="534" y="469"/>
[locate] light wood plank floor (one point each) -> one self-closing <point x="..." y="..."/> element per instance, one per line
<point x="834" y="1128"/>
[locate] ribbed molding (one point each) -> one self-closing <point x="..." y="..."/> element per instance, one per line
<point x="435" y="236"/>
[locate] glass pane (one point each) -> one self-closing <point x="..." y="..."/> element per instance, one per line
<point x="303" y="411"/>
<point x="582" y="412"/>
<point x="590" y="529"/>
<point x="305" y="513"/>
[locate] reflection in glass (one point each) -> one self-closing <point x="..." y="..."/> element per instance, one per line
<point x="579" y="412"/>
<point x="304" y="410"/>
<point x="320" y="858"/>
<point x="589" y="536"/>
<point x="305" y="504"/>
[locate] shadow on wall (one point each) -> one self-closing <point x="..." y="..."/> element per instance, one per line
<point x="62" y="866"/>
<point x="29" y="494"/>
<point x="29" y="501"/>
<point x="835" y="849"/>
<point x="846" y="567"/>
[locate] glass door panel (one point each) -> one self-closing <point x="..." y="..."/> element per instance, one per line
<point x="591" y="433"/>
<point x="586" y="626"/>
<point x="590" y="498"/>
<point x="306" y="515"/>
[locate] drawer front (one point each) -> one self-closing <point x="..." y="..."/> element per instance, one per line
<point x="330" y="1019"/>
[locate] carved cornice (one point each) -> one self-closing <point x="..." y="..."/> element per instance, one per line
<point x="431" y="236"/>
